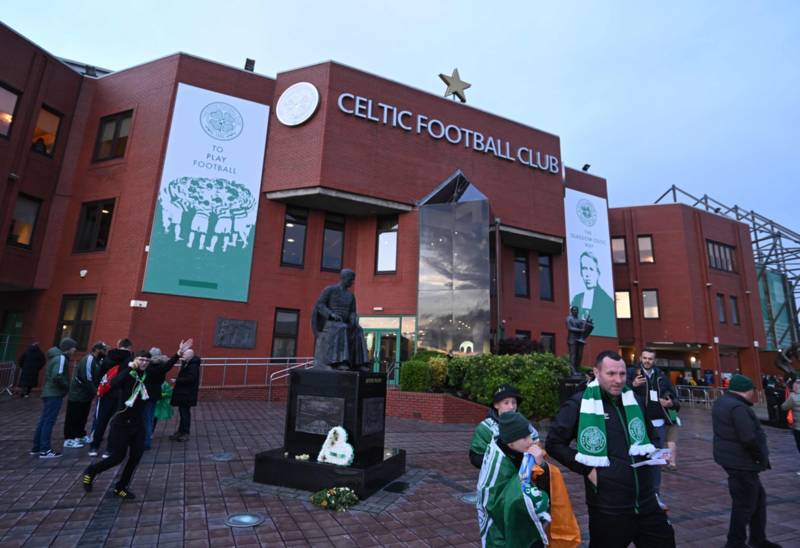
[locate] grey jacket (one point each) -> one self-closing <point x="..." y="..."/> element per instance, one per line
<point x="793" y="403"/>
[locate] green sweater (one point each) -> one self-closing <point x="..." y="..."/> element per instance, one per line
<point x="56" y="376"/>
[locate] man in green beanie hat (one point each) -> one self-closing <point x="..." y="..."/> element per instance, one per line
<point x="740" y="447"/>
<point x="513" y="508"/>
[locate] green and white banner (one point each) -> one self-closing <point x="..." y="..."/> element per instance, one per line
<point x="591" y="280"/>
<point x="204" y="223"/>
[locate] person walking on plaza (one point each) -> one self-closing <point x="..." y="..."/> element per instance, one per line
<point x="184" y="395"/>
<point x="156" y="373"/>
<point x="127" y="426"/>
<point x="654" y="388"/>
<point x="505" y="399"/>
<point x="612" y="435"/>
<point x="82" y="390"/>
<point x="56" y="386"/>
<point x="30" y="362"/>
<point x="792" y="404"/>
<point x="740" y="447"/>
<point x="108" y="403"/>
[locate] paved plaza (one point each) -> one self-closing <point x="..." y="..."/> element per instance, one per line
<point x="186" y="490"/>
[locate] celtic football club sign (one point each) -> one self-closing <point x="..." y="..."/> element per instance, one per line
<point x="205" y="215"/>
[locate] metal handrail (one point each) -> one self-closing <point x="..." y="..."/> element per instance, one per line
<point x="261" y="363"/>
<point x="7" y="374"/>
<point x="283" y="373"/>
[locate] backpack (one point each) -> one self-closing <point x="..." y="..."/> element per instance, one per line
<point x="105" y="383"/>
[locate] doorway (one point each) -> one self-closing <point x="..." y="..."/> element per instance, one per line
<point x="383" y="346"/>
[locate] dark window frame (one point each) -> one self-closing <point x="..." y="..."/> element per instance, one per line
<point x="624" y="249"/>
<point x="721" y="257"/>
<point x="378" y="233"/>
<point x="630" y="304"/>
<point x="81" y="298"/>
<point x="18" y="93"/>
<point x="721" y="312"/>
<point x="332" y="224"/>
<point x="35" y="222"/>
<point x="300" y="217"/>
<point x="549" y="268"/>
<point x="117" y="118"/>
<point x="658" y="305"/>
<point x="525" y="334"/>
<point x="552" y="337"/>
<point x="60" y="117"/>
<point x="96" y="230"/>
<point x="639" y="249"/>
<point x="735" y="319"/>
<point x="276" y="335"/>
<point x="520" y="256"/>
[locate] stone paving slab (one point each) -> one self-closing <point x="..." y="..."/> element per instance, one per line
<point x="184" y="495"/>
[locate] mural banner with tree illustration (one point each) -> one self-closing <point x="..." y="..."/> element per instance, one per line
<point x="591" y="281"/>
<point x="201" y="244"/>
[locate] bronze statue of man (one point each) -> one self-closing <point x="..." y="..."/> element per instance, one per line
<point x="339" y="340"/>
<point x="578" y="330"/>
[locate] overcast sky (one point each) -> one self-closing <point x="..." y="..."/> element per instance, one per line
<point x="704" y="95"/>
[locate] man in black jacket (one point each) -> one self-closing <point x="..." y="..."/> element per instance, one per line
<point x="108" y="403"/>
<point x="184" y="395"/>
<point x="652" y="386"/>
<point x="740" y="447"/>
<point x="622" y="502"/>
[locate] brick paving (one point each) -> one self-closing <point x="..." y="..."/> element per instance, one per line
<point x="184" y="494"/>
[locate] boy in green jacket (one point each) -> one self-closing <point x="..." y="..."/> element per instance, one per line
<point x="56" y="386"/>
<point x="505" y="399"/>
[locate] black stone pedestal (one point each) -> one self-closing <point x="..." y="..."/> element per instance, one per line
<point x="318" y="401"/>
<point x="569" y="385"/>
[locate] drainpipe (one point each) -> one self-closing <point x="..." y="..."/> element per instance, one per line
<point x="498" y="282"/>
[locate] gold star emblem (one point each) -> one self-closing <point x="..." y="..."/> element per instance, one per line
<point x="455" y="85"/>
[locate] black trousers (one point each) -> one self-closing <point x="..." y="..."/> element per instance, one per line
<point x="749" y="507"/>
<point x="618" y="530"/>
<point x="106" y="407"/>
<point x="126" y="433"/>
<point x="75" y="421"/>
<point x="185" y="422"/>
<point x="797" y="436"/>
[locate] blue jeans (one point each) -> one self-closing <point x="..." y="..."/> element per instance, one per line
<point x="149" y="412"/>
<point x="44" y="430"/>
<point x="659" y="440"/>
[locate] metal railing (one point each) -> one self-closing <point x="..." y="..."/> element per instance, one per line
<point x="239" y="372"/>
<point x="7" y="377"/>
<point x="285" y="372"/>
<point x="698" y="395"/>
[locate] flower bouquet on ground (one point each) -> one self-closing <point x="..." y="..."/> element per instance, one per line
<point x="335" y="498"/>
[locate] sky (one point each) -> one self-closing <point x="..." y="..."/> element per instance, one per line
<point x="702" y="95"/>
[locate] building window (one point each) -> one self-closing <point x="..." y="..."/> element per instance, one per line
<point x="333" y="243"/>
<point x="546" y="277"/>
<point x="619" y="254"/>
<point x="386" y="255"/>
<point x="94" y="226"/>
<point x="23" y="221"/>
<point x="623" y="301"/>
<point x="75" y="321"/>
<point x="734" y="311"/>
<point x="113" y="136"/>
<point x="294" y="237"/>
<point x="284" y="334"/>
<point x="8" y="107"/>
<point x="46" y="132"/>
<point x="522" y="334"/>
<point x="547" y="342"/>
<point x="721" y="307"/>
<point x="650" y="303"/>
<point x="721" y="256"/>
<point x="521" y="286"/>
<point x="646" y="249"/>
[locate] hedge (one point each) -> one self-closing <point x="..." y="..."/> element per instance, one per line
<point x="415" y="376"/>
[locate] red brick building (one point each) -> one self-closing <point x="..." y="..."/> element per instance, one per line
<point x="348" y="187"/>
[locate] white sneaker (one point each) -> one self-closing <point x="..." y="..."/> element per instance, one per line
<point x="105" y="455"/>
<point x="69" y="443"/>
<point x="77" y="443"/>
<point x="93" y="452"/>
<point x="88" y="438"/>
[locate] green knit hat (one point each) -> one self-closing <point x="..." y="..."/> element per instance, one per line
<point x="740" y="383"/>
<point x="513" y="427"/>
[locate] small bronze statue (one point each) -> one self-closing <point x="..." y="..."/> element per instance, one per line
<point x="339" y="340"/>
<point x="784" y="360"/>
<point x="578" y="330"/>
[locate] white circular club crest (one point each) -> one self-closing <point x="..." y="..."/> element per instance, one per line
<point x="297" y="104"/>
<point x="586" y="212"/>
<point x="593" y="439"/>
<point x="221" y="121"/>
<point x="636" y="429"/>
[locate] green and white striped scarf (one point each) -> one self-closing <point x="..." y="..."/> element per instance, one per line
<point x="139" y="389"/>
<point x="592" y="439"/>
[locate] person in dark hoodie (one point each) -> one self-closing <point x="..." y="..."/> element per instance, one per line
<point x="116" y="361"/>
<point x="505" y="399"/>
<point x="157" y="371"/>
<point x="184" y="396"/>
<point x="56" y="386"/>
<point x="82" y="390"/>
<point x="127" y="426"/>
<point x="30" y="362"/>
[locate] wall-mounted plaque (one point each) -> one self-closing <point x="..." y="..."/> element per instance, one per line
<point x="318" y="414"/>
<point x="232" y="333"/>
<point x="372" y="417"/>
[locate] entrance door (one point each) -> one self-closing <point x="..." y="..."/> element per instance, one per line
<point x="9" y="336"/>
<point x="384" y="352"/>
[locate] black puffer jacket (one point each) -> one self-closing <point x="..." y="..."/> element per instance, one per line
<point x="187" y="383"/>
<point x="156" y="373"/>
<point x="620" y="488"/>
<point x="739" y="441"/>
